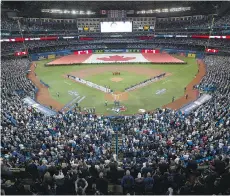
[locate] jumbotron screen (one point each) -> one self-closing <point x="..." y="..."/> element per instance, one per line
<point x="116" y="27"/>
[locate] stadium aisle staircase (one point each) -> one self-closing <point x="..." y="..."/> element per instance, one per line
<point x="113" y="146"/>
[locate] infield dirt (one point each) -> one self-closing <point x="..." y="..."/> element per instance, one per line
<point x="118" y="96"/>
<point x="116" y="79"/>
<point x="43" y="95"/>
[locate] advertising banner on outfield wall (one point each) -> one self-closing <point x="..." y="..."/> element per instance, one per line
<point x="101" y="51"/>
<point x="98" y="51"/>
<point x="188" y="53"/>
<point x="83" y="52"/>
<point x="133" y="50"/>
<point x="191" y="55"/>
<point x="150" y="51"/>
<point x="50" y="55"/>
<point x="115" y="50"/>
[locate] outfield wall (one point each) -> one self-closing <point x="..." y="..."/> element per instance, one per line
<point x="53" y="55"/>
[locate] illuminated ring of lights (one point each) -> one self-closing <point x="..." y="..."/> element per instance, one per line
<point x="114" y="23"/>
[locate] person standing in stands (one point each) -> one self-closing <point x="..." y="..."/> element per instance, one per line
<point x="127" y="183"/>
<point x="102" y="184"/>
<point x="148" y="184"/>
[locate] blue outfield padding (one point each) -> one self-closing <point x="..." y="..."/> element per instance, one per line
<point x="44" y="84"/>
<point x="45" y="55"/>
<point x="37" y="106"/>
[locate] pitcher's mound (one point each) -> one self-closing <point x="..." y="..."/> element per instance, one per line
<point x="116" y="79"/>
<point x="119" y="96"/>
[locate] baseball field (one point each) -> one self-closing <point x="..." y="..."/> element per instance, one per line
<point x="152" y="96"/>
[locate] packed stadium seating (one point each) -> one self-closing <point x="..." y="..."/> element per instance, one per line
<point x="160" y="152"/>
<point x="193" y="25"/>
<point x="164" y="145"/>
<point x="51" y="46"/>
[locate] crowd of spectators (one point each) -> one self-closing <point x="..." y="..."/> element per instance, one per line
<point x="166" y="46"/>
<point x="195" y="24"/>
<point x="48" y="46"/>
<point x="8" y="24"/>
<point x="67" y="47"/>
<point x="162" y="152"/>
<point x="38" y="25"/>
<point x="65" y="26"/>
<point x="55" y="45"/>
<point x="223" y="21"/>
<point x="182" y="24"/>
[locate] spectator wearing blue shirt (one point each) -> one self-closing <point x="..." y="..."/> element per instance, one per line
<point x="127" y="183"/>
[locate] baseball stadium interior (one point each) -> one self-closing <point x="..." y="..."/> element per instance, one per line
<point x="115" y="98"/>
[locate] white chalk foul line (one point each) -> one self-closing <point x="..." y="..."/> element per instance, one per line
<point x="67" y="83"/>
<point x="166" y="81"/>
<point x="176" y="72"/>
<point x="81" y="99"/>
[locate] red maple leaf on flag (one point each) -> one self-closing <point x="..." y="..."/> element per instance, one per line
<point x="116" y="58"/>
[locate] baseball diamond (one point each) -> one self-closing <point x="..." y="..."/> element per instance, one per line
<point x="140" y="77"/>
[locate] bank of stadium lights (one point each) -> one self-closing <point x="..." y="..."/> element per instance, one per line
<point x="178" y="9"/>
<point x="75" y="12"/>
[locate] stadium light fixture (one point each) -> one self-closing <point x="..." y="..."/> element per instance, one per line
<point x="165" y="10"/>
<point x="56" y="11"/>
<point x="179" y="9"/>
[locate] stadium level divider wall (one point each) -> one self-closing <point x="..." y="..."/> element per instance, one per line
<point x="52" y="55"/>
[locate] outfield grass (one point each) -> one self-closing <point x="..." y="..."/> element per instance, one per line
<point x="143" y="98"/>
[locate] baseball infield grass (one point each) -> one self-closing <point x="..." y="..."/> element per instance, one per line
<point x="127" y="79"/>
<point x="143" y="98"/>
